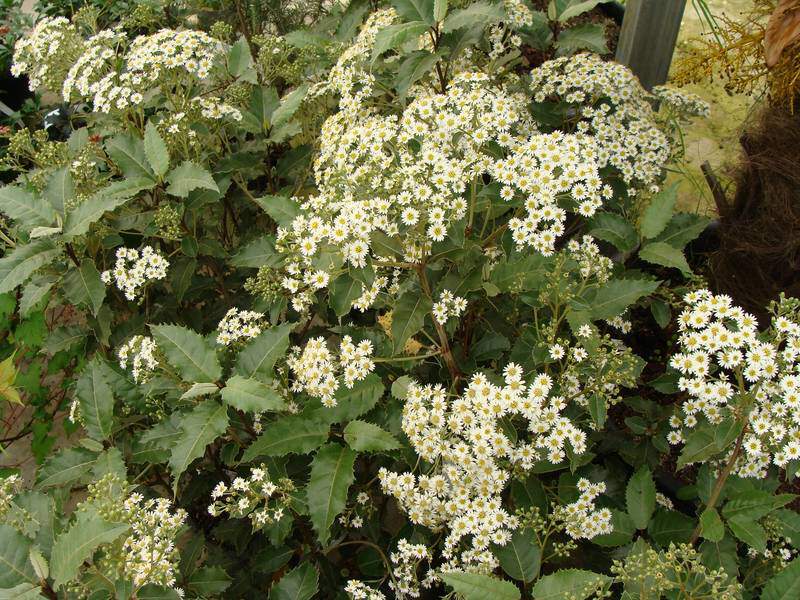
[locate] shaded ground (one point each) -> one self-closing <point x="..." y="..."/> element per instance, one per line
<point x="716" y="139"/>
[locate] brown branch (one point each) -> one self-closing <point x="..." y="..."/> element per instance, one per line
<point x="716" y="188"/>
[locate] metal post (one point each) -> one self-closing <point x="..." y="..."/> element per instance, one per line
<point x="648" y="37"/>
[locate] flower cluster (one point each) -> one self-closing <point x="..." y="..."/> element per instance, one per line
<point x="581" y="519"/>
<point x="134" y="269"/>
<point x="615" y="110"/>
<point x="239" y="325"/>
<point x="140" y="353"/>
<point x="405" y="562"/>
<point x="46" y="54"/>
<point x="358" y="590"/>
<point x="406" y="176"/>
<point x="727" y="367"/>
<point x="302" y="281"/>
<point x="148" y="554"/>
<point x="9" y="487"/>
<point x="677" y="568"/>
<point x="465" y="440"/>
<point x="591" y="262"/>
<point x="350" y="77"/>
<point x="258" y="498"/>
<point x="404" y="580"/>
<point x="449" y="305"/>
<point x="317" y="371"/>
<point x="682" y="102"/>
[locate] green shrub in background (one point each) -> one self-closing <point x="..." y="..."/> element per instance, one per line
<point x="372" y="309"/>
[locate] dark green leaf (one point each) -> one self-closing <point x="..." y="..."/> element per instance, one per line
<point x="521" y="557"/>
<point x="301" y="583"/>
<point x="569" y="583"/>
<point x="785" y="585"/>
<point x="199" y="427"/>
<point x="366" y="437"/>
<point x="26" y="208"/>
<point x="96" y="401"/>
<point x="482" y="13"/>
<point x="640" y="496"/>
<point x="155" y="150"/>
<point x="189" y="352"/>
<point x="83" y="286"/>
<point x="23" y="261"/>
<point x="258" y="358"/>
<point x="15" y="568"/>
<point x="251" y="395"/>
<point x="79" y="543"/>
<point x="474" y="586"/>
<point x="331" y="476"/>
<point x="409" y="317"/>
<point x="659" y="212"/>
<point x="189" y="176"/>
<point x="296" y="434"/>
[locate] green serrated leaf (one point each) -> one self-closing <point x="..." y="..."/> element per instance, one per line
<point x="366" y="437"/>
<point x="414" y="67"/>
<point x="331" y="477"/>
<point x="199" y="427"/>
<point x="156" y="150"/>
<point x="251" y="395"/>
<point x="288" y="106"/>
<point x="105" y="200"/>
<point x="353" y="402"/>
<point x="26" y="208"/>
<point x="409" y="317"/>
<point x="659" y="212"/>
<point x="640" y="497"/>
<point x="415" y="10"/>
<point x="474" y="586"/>
<point x="23" y="261"/>
<point x="209" y="581"/>
<point x="78" y="544"/>
<point x="240" y="61"/>
<point x="67" y="466"/>
<point x="189" y="176"/>
<point x="258" y="358"/>
<point x="83" y="286"/>
<point x="750" y="532"/>
<point x="660" y="253"/>
<point x="785" y="585"/>
<point x="483" y="13"/>
<point x="283" y="210"/>
<point x="615" y="230"/>
<point x="568" y="9"/>
<point x="396" y="35"/>
<point x="189" y="352"/>
<point x="296" y="434"/>
<point x="615" y="296"/>
<point x="575" y="584"/>
<point x="128" y="154"/>
<point x="587" y="36"/>
<point x="711" y="525"/>
<point x="258" y="253"/>
<point x="96" y="400"/>
<point x="521" y="557"/>
<point x="15" y="568"/>
<point x="301" y="583"/>
<point x="671" y="526"/>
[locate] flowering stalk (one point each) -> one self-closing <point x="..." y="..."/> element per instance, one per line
<point x="720" y="483"/>
<point x="444" y="343"/>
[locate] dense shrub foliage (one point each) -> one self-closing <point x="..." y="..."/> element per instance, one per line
<point x="376" y="308"/>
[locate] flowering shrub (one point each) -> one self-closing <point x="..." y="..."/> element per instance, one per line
<point x="372" y="310"/>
